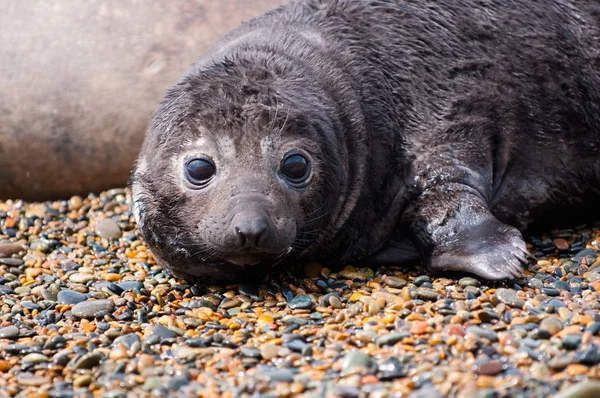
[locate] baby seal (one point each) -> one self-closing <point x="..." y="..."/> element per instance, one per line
<point x="365" y="132"/>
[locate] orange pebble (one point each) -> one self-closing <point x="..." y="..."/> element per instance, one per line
<point x="419" y="327"/>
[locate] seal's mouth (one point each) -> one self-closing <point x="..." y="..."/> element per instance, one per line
<point x="245" y="258"/>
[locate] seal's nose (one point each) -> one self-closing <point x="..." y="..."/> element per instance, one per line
<point x="249" y="229"/>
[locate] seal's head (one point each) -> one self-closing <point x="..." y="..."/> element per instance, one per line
<point x="241" y="170"/>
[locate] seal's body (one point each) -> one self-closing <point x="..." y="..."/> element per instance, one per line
<point x="373" y="131"/>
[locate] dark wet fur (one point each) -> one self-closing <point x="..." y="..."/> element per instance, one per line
<point x="433" y="120"/>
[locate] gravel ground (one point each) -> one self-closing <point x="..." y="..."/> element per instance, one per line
<point x="85" y="311"/>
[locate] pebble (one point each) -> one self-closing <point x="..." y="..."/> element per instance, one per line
<point x="584" y="389"/>
<point x="391" y="369"/>
<point x="552" y="325"/>
<point x="352" y="331"/>
<point x="9" y="249"/>
<point x="35" y="358"/>
<point x="481" y="332"/>
<point x="395" y="282"/>
<point x="467" y="281"/>
<point x="356" y="362"/>
<point x="391" y="338"/>
<point x="89" y="360"/>
<point x="427" y="294"/>
<point x="70" y="297"/>
<point x="82" y="278"/>
<point x="9" y="332"/>
<point x="162" y="332"/>
<point x="90" y="308"/>
<point x="269" y="351"/>
<point x="509" y="297"/>
<point x="488" y="367"/>
<point x="108" y="228"/>
<point x="300" y="302"/>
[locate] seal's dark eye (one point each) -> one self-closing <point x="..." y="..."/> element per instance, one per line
<point x="295" y="168"/>
<point x="199" y="171"/>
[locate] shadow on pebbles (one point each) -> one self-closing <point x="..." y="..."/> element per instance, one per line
<point x="86" y="312"/>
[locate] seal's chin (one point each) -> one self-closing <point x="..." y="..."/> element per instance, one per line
<point x="245" y="259"/>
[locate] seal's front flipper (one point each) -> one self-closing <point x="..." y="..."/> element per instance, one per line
<point x="455" y="231"/>
<point x="490" y="249"/>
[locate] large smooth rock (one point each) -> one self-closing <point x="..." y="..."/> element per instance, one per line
<point x="80" y="80"/>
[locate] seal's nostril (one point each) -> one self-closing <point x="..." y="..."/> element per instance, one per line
<point x="250" y="230"/>
<point x="241" y="237"/>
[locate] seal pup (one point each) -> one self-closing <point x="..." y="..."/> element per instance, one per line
<point x="378" y="131"/>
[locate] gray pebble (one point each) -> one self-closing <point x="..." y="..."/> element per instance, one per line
<point x="89" y="360"/>
<point x="9" y="332"/>
<point x="464" y="282"/>
<point x="70" y="297"/>
<point x="35" y="358"/>
<point x="428" y="294"/>
<point x="89" y="309"/>
<point x="300" y="302"/>
<point x="395" y="282"/>
<point x="481" y="332"/>
<point x="126" y="340"/>
<point x="162" y="332"/>
<point x="509" y="297"/>
<point x="356" y="362"/>
<point x="391" y="338"/>
<point x="277" y="375"/>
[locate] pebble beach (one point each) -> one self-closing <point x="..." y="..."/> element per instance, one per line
<point x="86" y="312"/>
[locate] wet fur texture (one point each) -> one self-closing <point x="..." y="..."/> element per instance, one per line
<point x="436" y="129"/>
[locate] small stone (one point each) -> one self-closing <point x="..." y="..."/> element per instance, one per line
<point x="162" y="332"/>
<point x="127" y="340"/>
<point x="35" y="358"/>
<point x="356" y="362"/>
<point x="395" y="282"/>
<point x="300" y="302"/>
<point x="82" y="381"/>
<point x="9" y="332"/>
<point x="552" y="325"/>
<point x="75" y="203"/>
<point x="89" y="360"/>
<point x="276" y="375"/>
<point x="31" y="380"/>
<point x="589" y="356"/>
<point x="467" y="281"/>
<point x="15" y="262"/>
<point x="81" y="278"/>
<point x="419" y="280"/>
<point x="391" y="369"/>
<point x="550" y="291"/>
<point x="535" y="283"/>
<point x="391" y="338"/>
<point x="509" y="297"/>
<point x="89" y="309"/>
<point x="571" y="341"/>
<point x="481" y="332"/>
<point x="561" y="244"/>
<point x="8" y="249"/>
<point x="583" y="389"/>
<point x="108" y="229"/>
<point x="419" y="327"/>
<point x="250" y="352"/>
<point x="70" y="297"/>
<point x="428" y="294"/>
<point x="575" y="369"/>
<point x="269" y="351"/>
<point x="130" y="285"/>
<point x="487" y="367"/>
